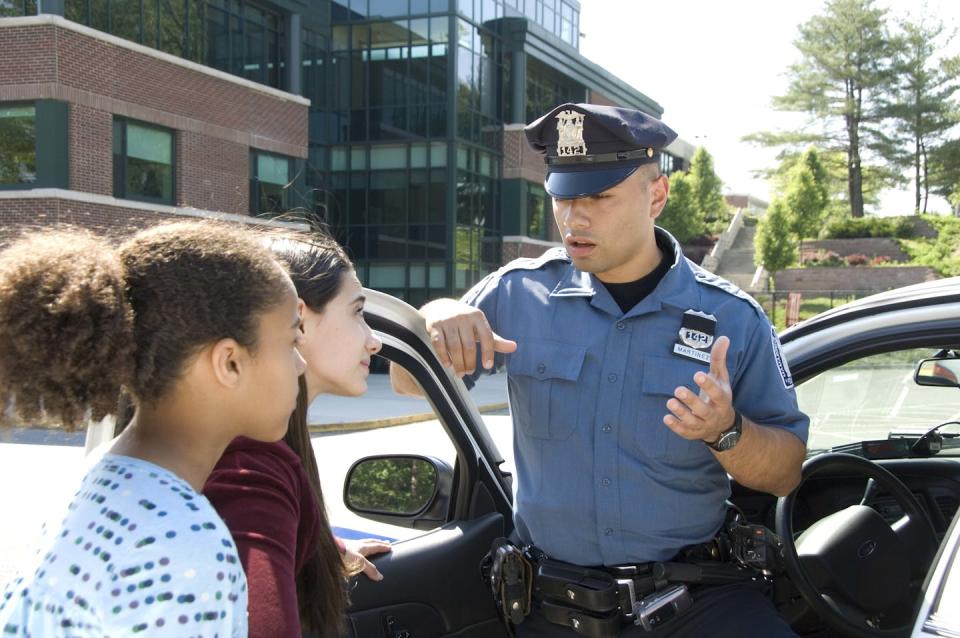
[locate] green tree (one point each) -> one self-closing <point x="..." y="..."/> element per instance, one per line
<point x="707" y="186"/>
<point x="681" y="216"/>
<point x="806" y="196"/>
<point x="944" y="173"/>
<point x="774" y="248"/>
<point x="921" y="110"/>
<point x="843" y="72"/>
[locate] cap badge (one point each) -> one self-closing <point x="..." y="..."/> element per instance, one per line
<point x="570" y="131"/>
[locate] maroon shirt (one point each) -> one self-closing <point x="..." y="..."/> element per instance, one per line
<point x="262" y="493"/>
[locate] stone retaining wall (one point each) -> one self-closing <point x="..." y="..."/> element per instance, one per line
<point x="852" y="278"/>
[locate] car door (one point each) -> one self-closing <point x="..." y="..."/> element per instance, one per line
<point x="432" y="583"/>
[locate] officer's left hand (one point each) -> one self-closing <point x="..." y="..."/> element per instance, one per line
<point x="705" y="416"/>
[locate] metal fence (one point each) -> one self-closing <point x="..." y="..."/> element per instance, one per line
<point x="812" y="302"/>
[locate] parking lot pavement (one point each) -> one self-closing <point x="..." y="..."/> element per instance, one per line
<point x="381" y="405"/>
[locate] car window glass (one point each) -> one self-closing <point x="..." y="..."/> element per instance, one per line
<point x="381" y="422"/>
<point x="868" y="397"/>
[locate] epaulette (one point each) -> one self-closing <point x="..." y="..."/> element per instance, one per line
<point x="557" y="253"/>
<point x="706" y="277"/>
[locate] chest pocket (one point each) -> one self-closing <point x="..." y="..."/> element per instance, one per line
<point x="544" y="382"/>
<point x="661" y="376"/>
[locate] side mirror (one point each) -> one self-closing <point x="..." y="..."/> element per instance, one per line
<point x="938" y="372"/>
<point x="406" y="490"/>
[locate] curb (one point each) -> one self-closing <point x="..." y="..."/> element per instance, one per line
<point x="389" y="422"/>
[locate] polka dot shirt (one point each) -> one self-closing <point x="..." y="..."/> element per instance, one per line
<point x="139" y="552"/>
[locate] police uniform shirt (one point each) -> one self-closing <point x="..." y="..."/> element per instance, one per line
<point x="601" y="479"/>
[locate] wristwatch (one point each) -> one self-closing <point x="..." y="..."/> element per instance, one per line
<point x="729" y="438"/>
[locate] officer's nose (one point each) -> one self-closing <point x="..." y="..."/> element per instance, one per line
<point x="572" y="213"/>
<point x="576" y="215"/>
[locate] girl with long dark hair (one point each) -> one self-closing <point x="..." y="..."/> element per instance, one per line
<point x="200" y="325"/>
<point x="269" y="493"/>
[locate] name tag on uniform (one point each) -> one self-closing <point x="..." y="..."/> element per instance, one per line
<point x="696" y="336"/>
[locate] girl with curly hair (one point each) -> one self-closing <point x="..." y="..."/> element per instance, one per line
<point x="269" y="493"/>
<point x="200" y="325"/>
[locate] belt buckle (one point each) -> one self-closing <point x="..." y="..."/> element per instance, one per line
<point x="630" y="613"/>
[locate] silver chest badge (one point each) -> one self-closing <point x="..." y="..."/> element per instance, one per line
<point x="570" y="134"/>
<point x="697" y="332"/>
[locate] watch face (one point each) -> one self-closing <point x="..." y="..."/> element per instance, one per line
<point x="727" y="441"/>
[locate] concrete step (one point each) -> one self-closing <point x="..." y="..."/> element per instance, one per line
<point x="737" y="264"/>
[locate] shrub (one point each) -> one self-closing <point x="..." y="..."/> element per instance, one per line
<point x="879" y="260"/>
<point x="824" y="258"/>
<point x="852" y="228"/>
<point x="857" y="259"/>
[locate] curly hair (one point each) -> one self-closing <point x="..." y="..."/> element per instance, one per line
<point x="81" y="320"/>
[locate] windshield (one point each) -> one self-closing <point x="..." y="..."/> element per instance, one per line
<point x="870" y="397"/>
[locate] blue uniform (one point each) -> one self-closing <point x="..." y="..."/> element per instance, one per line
<point x="601" y="479"/>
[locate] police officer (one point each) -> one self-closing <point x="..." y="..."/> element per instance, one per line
<point x="637" y="380"/>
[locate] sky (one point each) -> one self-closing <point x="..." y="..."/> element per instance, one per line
<point x="714" y="67"/>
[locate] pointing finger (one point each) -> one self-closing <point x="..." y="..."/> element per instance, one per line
<point x="718" y="359"/>
<point x="506" y="346"/>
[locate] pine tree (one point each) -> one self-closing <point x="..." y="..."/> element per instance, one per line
<point x="840" y="80"/>
<point x="922" y="109"/>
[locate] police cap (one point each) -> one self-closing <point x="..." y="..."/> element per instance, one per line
<point x="589" y="148"/>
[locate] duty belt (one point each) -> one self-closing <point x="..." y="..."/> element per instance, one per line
<point x="596" y="602"/>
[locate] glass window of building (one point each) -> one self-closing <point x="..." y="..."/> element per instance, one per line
<point x="18" y="144"/>
<point x="142" y="162"/>
<point x="14" y="8"/>
<point x="546" y="88"/>
<point x="539" y="207"/>
<point x="236" y="36"/>
<point x="270" y="181"/>
<point x="388" y="80"/>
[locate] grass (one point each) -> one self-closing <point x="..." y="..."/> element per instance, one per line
<point x="809" y="307"/>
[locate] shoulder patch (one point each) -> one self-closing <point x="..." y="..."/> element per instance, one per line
<point x="708" y="278"/>
<point x="557" y="253"/>
<point x="782" y="366"/>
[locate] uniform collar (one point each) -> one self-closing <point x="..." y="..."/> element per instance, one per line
<point x="677" y="288"/>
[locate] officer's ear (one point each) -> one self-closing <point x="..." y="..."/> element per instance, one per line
<point x="659" y="190"/>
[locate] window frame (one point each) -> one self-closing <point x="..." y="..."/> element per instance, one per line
<point x="36" y="148"/>
<point x="255" y="181"/>
<point x="121" y="125"/>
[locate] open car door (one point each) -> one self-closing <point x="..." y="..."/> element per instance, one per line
<point x="432" y="583"/>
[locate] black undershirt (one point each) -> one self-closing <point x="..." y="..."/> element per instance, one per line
<point x="629" y="294"/>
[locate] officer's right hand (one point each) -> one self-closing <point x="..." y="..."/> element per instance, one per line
<point x="455" y="328"/>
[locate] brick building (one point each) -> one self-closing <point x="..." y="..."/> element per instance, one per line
<point x="123" y="135"/>
<point x="397" y="122"/>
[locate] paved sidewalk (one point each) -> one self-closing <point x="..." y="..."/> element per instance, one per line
<point x="380" y="406"/>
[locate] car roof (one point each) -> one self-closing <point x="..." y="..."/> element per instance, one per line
<point x="929" y="293"/>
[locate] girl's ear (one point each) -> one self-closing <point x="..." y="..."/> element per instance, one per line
<point x="227" y="359"/>
<point x="301" y="309"/>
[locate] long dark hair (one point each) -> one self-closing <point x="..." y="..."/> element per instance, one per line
<point x="316" y="265"/>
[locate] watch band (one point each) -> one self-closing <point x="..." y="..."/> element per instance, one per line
<point x="729" y="437"/>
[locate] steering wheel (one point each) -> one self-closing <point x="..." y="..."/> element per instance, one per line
<point x="851" y="566"/>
